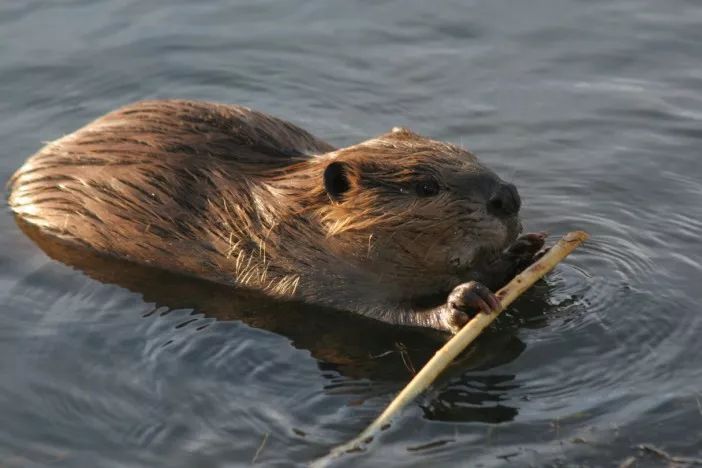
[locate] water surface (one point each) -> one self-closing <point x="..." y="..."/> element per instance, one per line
<point x="594" y="109"/>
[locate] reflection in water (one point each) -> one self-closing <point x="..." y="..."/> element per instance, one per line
<point x="348" y="347"/>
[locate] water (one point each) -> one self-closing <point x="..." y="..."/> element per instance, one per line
<point x="594" y="109"/>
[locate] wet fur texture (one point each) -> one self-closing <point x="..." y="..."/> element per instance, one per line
<point x="238" y="197"/>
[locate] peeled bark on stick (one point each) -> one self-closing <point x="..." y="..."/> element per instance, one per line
<point x="461" y="340"/>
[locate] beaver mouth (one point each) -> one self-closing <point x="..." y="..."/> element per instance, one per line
<point x="514" y="229"/>
<point x="488" y="252"/>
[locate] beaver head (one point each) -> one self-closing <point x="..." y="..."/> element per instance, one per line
<point x="418" y="213"/>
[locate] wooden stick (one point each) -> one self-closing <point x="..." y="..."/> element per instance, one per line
<point x="460" y="341"/>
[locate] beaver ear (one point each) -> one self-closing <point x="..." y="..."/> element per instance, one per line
<point x="336" y="180"/>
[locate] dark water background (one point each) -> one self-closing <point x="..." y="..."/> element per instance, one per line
<point x="593" y="108"/>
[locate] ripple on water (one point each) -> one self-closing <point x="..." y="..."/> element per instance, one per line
<point x="117" y="364"/>
<point x="623" y="338"/>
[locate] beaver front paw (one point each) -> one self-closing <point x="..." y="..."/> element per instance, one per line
<point x="526" y="250"/>
<point x="465" y="301"/>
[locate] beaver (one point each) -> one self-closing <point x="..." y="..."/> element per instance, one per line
<point x="400" y="228"/>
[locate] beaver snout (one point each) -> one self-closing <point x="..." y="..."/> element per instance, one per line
<point x="505" y="201"/>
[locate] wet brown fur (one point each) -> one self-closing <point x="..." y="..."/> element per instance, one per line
<point x="237" y="197"/>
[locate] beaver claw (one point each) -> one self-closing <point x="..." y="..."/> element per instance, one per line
<point x="526" y="249"/>
<point x="466" y="300"/>
<point x="526" y="246"/>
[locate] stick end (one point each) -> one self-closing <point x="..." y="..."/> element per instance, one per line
<point x="576" y="236"/>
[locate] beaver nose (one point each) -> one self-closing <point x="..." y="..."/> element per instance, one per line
<point x="505" y="201"/>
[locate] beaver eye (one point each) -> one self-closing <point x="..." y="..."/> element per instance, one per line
<point x="427" y="188"/>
